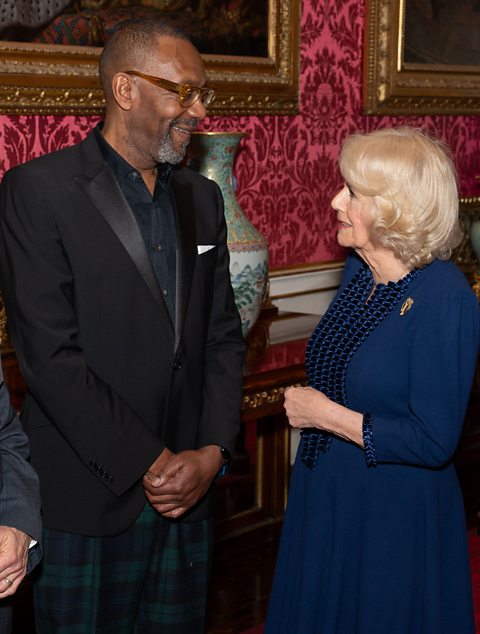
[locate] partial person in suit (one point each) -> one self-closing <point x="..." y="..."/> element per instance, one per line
<point x="115" y="272"/>
<point x="20" y="519"/>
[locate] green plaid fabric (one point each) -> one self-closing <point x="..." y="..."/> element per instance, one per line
<point x="151" y="578"/>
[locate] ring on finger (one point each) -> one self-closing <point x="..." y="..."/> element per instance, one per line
<point x="8" y="581"/>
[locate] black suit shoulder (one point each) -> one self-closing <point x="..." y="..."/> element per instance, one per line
<point x="186" y="175"/>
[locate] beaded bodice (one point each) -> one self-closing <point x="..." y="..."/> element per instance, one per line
<point x="345" y="326"/>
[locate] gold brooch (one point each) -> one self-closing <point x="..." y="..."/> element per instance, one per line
<point x="407" y="304"/>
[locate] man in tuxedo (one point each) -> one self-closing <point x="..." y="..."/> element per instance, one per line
<point x="115" y="272"/>
<point x="20" y="521"/>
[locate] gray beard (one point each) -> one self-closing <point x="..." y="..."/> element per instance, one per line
<point x="167" y="153"/>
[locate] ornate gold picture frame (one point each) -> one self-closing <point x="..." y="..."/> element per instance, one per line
<point x="54" y="79"/>
<point x="394" y="84"/>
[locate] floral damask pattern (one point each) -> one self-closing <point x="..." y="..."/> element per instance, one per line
<point x="286" y="167"/>
<point x="23" y="138"/>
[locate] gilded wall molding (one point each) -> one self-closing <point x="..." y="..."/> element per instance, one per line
<point x="262" y="398"/>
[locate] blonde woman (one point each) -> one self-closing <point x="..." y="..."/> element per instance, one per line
<point x="374" y="540"/>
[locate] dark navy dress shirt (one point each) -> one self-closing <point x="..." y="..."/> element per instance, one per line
<point x="155" y="216"/>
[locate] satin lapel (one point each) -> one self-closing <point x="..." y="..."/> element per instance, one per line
<point x="105" y="193"/>
<point x="186" y="251"/>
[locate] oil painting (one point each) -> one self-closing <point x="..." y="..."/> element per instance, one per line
<point x="422" y="57"/>
<point x="49" y="51"/>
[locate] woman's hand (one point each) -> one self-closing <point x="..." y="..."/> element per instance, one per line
<point x="307" y="408"/>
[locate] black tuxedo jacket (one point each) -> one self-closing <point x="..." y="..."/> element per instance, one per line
<point x="111" y="380"/>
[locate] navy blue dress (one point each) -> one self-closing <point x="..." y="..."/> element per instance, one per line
<point x="379" y="546"/>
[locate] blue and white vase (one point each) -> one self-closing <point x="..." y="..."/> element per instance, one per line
<point x="212" y="154"/>
<point x="475" y="237"/>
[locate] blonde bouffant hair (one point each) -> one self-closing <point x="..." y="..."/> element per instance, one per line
<point x="412" y="180"/>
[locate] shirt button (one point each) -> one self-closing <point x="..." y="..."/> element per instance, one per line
<point x="177" y="365"/>
<point x="159" y="247"/>
<point x="165" y="292"/>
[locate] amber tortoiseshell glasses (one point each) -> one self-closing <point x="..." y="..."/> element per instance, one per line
<point x="187" y="94"/>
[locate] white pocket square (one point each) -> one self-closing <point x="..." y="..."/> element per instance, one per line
<point x="203" y="248"/>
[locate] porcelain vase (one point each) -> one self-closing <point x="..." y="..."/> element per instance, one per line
<point x="475" y="237"/>
<point x="212" y="154"/>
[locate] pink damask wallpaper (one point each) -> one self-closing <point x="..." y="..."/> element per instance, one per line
<point x="286" y="167"/>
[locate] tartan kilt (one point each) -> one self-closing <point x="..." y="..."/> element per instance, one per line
<point x="153" y="577"/>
